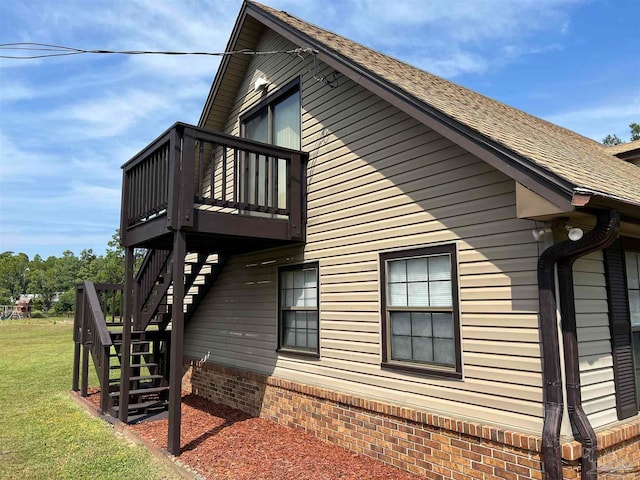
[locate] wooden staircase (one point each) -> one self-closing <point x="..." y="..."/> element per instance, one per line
<point x="191" y="198"/>
<point x="99" y="330"/>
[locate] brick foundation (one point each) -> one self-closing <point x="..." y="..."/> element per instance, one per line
<point x="435" y="446"/>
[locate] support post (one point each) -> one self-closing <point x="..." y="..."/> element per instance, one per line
<point x="104" y="379"/>
<point x="177" y="333"/>
<point x="75" y="384"/>
<point x="125" y="348"/>
<point x="85" y="371"/>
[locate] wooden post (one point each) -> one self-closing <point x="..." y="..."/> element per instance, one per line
<point x="125" y="348"/>
<point x="177" y="333"/>
<point x="76" y="367"/>
<point x="104" y="380"/>
<point x="295" y="196"/>
<point x="85" y="371"/>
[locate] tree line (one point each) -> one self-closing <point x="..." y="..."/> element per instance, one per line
<point x="52" y="281"/>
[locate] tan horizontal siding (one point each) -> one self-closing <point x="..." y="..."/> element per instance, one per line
<point x="594" y="347"/>
<point x="379" y="180"/>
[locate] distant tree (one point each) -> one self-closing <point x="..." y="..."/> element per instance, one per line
<point x="611" y="140"/>
<point x="89" y="265"/>
<point x="45" y="281"/>
<point x="14" y="278"/>
<point x="65" y="301"/>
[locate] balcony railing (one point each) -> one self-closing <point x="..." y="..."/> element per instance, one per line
<point x="189" y="170"/>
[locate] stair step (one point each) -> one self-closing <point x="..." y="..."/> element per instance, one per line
<point x="133" y="342"/>
<point x="141" y="391"/>
<point x="135" y="365"/>
<point x="137" y="378"/>
<point x="142" y="405"/>
<point x="140" y="365"/>
<point x="133" y="354"/>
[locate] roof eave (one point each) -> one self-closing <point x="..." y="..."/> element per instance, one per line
<point x="237" y="28"/>
<point x="585" y="197"/>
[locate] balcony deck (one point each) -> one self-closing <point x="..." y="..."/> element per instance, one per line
<point x="226" y="193"/>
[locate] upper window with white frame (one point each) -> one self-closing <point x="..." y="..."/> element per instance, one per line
<point x="420" y="314"/>
<point x="298" y="309"/>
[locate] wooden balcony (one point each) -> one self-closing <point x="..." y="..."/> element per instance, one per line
<point x="226" y="193"/>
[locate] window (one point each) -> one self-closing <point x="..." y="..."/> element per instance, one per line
<point x="420" y="318"/>
<point x="275" y="120"/>
<point x="622" y="271"/>
<point x="298" y="309"/>
<point x="632" y="260"/>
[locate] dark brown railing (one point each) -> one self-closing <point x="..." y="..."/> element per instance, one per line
<point x="188" y="166"/>
<point x="147" y="283"/>
<point x="97" y="307"/>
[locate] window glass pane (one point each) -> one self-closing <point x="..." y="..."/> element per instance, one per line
<point x="288" y="279"/>
<point x="301" y="338"/>
<point x="312" y="339"/>
<point x="397" y="271"/>
<point x="282" y="183"/>
<point x="257" y="127"/>
<point x="421" y="324"/>
<point x="439" y="268"/>
<point x="261" y="165"/>
<point x="398" y="295"/>
<point x="298" y="297"/>
<point x="401" y="323"/>
<point x="440" y="294"/>
<point x="301" y="320"/>
<point x="422" y="349"/>
<point x="310" y="297"/>
<point x="444" y="351"/>
<point x="289" y="331"/>
<point x="442" y="325"/>
<point x="633" y="276"/>
<point x="289" y="320"/>
<point x="286" y="122"/>
<point x="310" y="278"/>
<point x="288" y="298"/>
<point x="417" y="270"/>
<point x="298" y="279"/>
<point x="401" y="348"/>
<point x="312" y="320"/>
<point x="418" y="294"/>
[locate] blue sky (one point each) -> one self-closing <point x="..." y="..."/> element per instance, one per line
<point x="68" y="123"/>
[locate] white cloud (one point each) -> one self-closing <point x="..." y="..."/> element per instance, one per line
<point x="455" y="37"/>
<point x="601" y="119"/>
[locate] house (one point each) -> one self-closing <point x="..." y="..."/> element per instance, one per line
<point x="344" y="244"/>
<point x="629" y="151"/>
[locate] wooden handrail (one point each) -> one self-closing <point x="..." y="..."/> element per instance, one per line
<point x="91" y="332"/>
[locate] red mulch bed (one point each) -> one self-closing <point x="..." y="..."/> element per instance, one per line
<point x="220" y="442"/>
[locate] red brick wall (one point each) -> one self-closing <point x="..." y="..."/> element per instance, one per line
<point x="435" y="446"/>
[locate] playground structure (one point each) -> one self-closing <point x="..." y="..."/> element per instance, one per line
<point x="22" y="309"/>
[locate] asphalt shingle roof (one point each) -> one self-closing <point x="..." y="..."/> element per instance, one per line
<point x="623" y="147"/>
<point x="579" y="160"/>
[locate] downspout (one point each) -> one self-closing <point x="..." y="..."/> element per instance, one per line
<point x="605" y="232"/>
<point x="553" y="402"/>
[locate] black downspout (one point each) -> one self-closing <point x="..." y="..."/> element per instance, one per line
<point x="605" y="232"/>
<point x="553" y="402"/>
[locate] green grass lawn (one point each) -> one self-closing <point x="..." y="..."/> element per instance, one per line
<point x="43" y="433"/>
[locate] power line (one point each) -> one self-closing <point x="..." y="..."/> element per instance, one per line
<point x="60" y="51"/>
